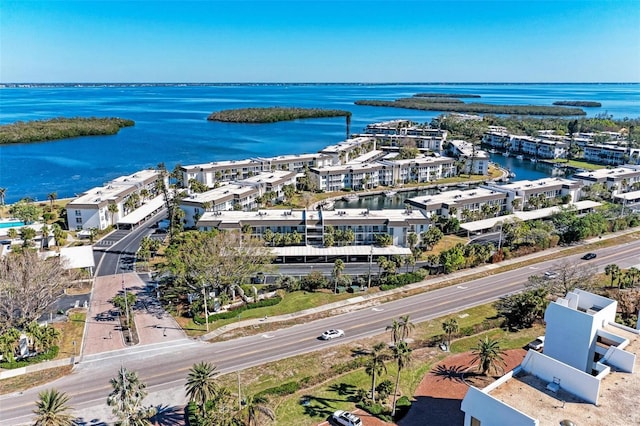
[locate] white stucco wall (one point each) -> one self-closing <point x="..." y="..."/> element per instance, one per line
<point x="492" y="412"/>
<point x="572" y="380"/>
<point x="569" y="336"/>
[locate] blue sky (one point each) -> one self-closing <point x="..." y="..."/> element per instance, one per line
<point x="320" y="41"/>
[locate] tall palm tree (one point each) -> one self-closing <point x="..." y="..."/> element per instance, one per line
<point x="376" y="366"/>
<point x="632" y="273"/>
<point x="402" y="355"/>
<point x="113" y="210"/>
<point x="406" y="327"/>
<point x="51" y="409"/>
<point x="395" y="331"/>
<point x="614" y="271"/>
<point x="201" y="385"/>
<point x="126" y="399"/>
<point x="52" y="196"/>
<point x="488" y="355"/>
<point x="450" y="326"/>
<point x="257" y="409"/>
<point x="338" y="267"/>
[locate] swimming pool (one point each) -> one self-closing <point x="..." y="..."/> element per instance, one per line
<point x="11" y="224"/>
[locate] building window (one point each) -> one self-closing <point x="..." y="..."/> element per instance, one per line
<point x="78" y="220"/>
<point x="78" y="213"/>
<point x="475" y="422"/>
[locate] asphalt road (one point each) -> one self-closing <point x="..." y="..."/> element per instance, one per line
<point x="164" y="368"/>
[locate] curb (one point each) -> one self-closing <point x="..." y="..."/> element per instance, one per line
<point x="422" y="284"/>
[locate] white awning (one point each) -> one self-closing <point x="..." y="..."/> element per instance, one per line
<point x="142" y="212"/>
<point x="481" y="225"/>
<point x="77" y="257"/>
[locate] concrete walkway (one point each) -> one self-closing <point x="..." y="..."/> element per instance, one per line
<point x="432" y="280"/>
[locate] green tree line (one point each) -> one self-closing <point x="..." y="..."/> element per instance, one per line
<point x="60" y="128"/>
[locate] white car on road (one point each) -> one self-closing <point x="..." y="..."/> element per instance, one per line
<point x="332" y="334"/>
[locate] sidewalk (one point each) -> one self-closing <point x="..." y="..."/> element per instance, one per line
<point x="422" y="284"/>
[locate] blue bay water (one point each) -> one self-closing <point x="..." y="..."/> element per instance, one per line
<point x="171" y="125"/>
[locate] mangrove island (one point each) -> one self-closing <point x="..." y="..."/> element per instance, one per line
<point x="274" y="114"/>
<point x="60" y="128"/>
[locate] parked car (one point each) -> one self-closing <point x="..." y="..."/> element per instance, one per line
<point x="258" y="279"/>
<point x="332" y="334"/>
<point x="549" y="275"/>
<point x="537" y="344"/>
<point x="589" y="256"/>
<point x="345" y="418"/>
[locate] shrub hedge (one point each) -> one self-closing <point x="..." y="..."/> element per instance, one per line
<point x="45" y="356"/>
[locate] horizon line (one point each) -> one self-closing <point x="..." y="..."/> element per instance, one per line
<point x="310" y="83"/>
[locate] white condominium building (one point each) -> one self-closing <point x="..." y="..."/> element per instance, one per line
<point x="93" y="208"/>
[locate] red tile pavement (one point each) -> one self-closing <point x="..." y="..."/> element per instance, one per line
<point x="438" y="397"/>
<point x="103" y="332"/>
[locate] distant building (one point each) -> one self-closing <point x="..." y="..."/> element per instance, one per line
<point x="474" y="160"/>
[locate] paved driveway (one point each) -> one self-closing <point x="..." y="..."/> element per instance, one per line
<point x="103" y="332"/>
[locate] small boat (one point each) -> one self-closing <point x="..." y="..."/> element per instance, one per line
<point x="520" y="157"/>
<point x="533" y="160"/>
<point x="351" y="197"/>
<point x="492" y="151"/>
<point x="512" y="175"/>
<point x="327" y="205"/>
<point x="390" y="193"/>
<point x="506" y="153"/>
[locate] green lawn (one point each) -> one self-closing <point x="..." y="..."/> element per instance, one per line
<point x="578" y="164"/>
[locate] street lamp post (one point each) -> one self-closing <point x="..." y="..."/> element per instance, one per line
<point x="74" y="348"/>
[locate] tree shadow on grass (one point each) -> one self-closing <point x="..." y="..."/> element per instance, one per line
<point x="168" y="416"/>
<point x="343" y="389"/>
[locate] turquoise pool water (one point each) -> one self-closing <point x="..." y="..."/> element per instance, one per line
<point x="11" y="224"/>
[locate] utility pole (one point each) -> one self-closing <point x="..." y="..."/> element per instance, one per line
<point x="206" y="311"/>
<point x="239" y="392"/>
<point x="370" y="260"/>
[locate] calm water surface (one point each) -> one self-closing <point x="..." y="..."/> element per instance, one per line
<point x="171" y="125"/>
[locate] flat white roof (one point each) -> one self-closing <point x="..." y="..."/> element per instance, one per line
<point x="143" y="211"/>
<point x="480" y="225"/>
<point x="77" y="257"/>
<point x="539" y="183"/>
<point x="634" y="195"/>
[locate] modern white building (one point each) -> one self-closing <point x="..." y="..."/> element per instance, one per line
<point x="606" y="154"/>
<point x="552" y="189"/>
<point x="465" y="204"/>
<point x="218" y="172"/>
<point x="91" y="209"/>
<point x="587" y="373"/>
<point x="314" y="226"/>
<point x="241" y="195"/>
<point x="474" y="159"/>
<point x="620" y="179"/>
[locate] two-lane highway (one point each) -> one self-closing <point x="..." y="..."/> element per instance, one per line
<point x="165" y="367"/>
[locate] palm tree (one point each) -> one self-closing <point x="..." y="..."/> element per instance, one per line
<point x="488" y="355"/>
<point x="338" y="267"/>
<point x="614" y="271"/>
<point x="632" y="273"/>
<point x="406" y="327"/>
<point x="52" y="196"/>
<point x="395" y="331"/>
<point x="35" y="334"/>
<point x="113" y="210"/>
<point x="375" y="366"/>
<point x="9" y="343"/>
<point x="3" y="192"/>
<point x="450" y="326"/>
<point x="201" y="385"/>
<point x="126" y="399"/>
<point x="51" y="409"/>
<point x="257" y="409"/>
<point x="402" y="355"/>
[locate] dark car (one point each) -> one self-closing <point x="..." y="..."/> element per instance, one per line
<point x="589" y="256"/>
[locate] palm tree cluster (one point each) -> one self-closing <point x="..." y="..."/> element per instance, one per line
<point x="215" y="405"/>
<point x="126" y="399"/>
<point x="399" y="350"/>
